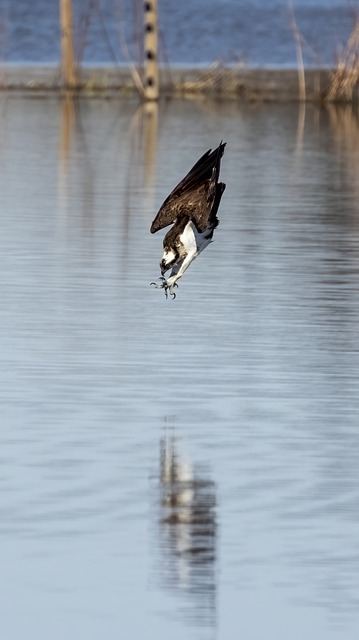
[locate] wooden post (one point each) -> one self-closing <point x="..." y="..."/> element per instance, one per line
<point x="151" y="89"/>
<point x="298" y="49"/>
<point x="67" y="46"/>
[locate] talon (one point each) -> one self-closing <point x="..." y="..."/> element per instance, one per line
<point x="159" y="285"/>
<point x="163" y="285"/>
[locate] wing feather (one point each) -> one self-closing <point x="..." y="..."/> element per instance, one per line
<point x="194" y="195"/>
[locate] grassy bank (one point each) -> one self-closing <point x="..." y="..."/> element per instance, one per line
<point x="215" y="81"/>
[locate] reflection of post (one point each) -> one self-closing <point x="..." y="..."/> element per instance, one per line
<point x="143" y="141"/>
<point x="67" y="47"/>
<point x="188" y="533"/>
<point x="300" y="127"/>
<point x="150" y="112"/>
<point x="151" y="50"/>
<point x="67" y="118"/>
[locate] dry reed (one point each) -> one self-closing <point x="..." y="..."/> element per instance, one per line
<point x="346" y="76"/>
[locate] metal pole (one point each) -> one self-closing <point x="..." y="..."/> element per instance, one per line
<point x="151" y="88"/>
<point x="67" y="47"/>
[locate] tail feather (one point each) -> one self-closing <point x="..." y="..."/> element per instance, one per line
<point x="202" y="170"/>
<point x="213" y="220"/>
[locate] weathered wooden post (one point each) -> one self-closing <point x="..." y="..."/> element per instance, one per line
<point x="151" y="88"/>
<point x="68" y="71"/>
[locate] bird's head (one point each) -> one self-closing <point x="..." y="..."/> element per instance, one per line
<point x="168" y="260"/>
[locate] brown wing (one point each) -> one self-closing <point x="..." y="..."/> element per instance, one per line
<point x="196" y="204"/>
<point x="194" y="195"/>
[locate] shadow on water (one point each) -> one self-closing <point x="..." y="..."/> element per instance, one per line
<point x="187" y="533"/>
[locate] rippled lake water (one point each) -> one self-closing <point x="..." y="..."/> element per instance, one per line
<point x="187" y="468"/>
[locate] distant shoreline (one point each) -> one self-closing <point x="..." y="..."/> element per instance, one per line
<point x="241" y="83"/>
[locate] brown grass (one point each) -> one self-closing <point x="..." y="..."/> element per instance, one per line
<point x="215" y="80"/>
<point x="346" y="76"/>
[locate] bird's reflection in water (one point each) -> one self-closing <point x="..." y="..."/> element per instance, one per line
<point x="188" y="534"/>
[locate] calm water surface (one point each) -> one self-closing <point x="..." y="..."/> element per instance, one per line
<point x="186" y="468"/>
<point x="255" y="32"/>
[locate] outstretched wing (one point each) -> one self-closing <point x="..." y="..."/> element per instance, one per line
<point x="194" y="195"/>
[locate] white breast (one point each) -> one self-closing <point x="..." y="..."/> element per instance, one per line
<point x="188" y="238"/>
<point x="193" y="241"/>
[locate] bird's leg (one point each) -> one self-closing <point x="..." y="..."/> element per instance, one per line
<point x="177" y="271"/>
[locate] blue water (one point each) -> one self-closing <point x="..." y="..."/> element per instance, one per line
<point x="185" y="469"/>
<point x="254" y="32"/>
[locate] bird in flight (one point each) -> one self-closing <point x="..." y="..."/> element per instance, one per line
<point x="192" y="208"/>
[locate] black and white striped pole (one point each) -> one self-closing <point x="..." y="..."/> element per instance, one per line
<point x="151" y="88"/>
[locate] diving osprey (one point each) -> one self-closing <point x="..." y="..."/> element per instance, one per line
<point x="192" y="206"/>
